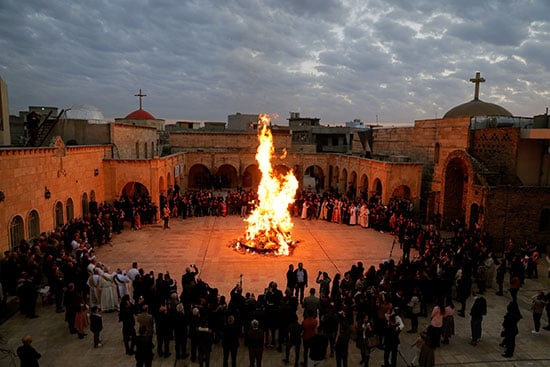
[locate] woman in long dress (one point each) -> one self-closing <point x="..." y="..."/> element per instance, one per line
<point x="305" y="207"/>
<point x="336" y="214"/>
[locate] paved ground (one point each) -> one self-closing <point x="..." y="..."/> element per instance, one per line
<point x="323" y="246"/>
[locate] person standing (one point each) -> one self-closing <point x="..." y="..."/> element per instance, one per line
<point x="310" y="329"/>
<point x="205" y="340"/>
<point x="318" y="349"/>
<point x="391" y="339"/>
<point x="510" y="329"/>
<point x="311" y="304"/>
<point x="301" y="281"/>
<point x="28" y="355"/>
<point x="515" y="285"/>
<point x="295" y="330"/>
<point x="180" y="332"/>
<point x="230" y="341"/>
<point x="144" y="348"/>
<point x="126" y="316"/>
<point x="96" y="325"/>
<point x="166" y="217"/>
<point x="538" y="303"/>
<point x="479" y="309"/>
<point x="255" y="342"/>
<point x="341" y="346"/>
<point x="291" y="278"/>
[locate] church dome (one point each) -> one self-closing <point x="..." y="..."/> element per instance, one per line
<point x="140" y="115"/>
<point x="477" y="107"/>
<point x="83" y="112"/>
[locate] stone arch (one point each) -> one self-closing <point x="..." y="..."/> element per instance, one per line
<point x="344" y="181"/>
<point x="199" y="177"/>
<point x="314" y="177"/>
<point x="364" y="187"/>
<point x="33" y="224"/>
<point x="134" y="189"/>
<point x="251" y="176"/>
<point x="85" y="205"/>
<point x="457" y="178"/>
<point x="377" y="188"/>
<point x="402" y="192"/>
<point x="69" y="209"/>
<point x="17" y="230"/>
<point x="58" y="214"/>
<point x="226" y="176"/>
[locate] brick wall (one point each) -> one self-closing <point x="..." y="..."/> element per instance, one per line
<point x="26" y="172"/>
<point x="243" y="141"/>
<point x="125" y="137"/>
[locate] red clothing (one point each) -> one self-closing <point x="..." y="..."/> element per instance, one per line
<point x="310" y="328"/>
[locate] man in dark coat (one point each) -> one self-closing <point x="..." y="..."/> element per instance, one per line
<point x="28" y="355"/>
<point x="290" y="278"/>
<point x="255" y="342"/>
<point x="71" y="301"/>
<point x="205" y="339"/>
<point x="294" y="337"/>
<point x="164" y="332"/>
<point x="510" y="329"/>
<point x="230" y="341"/>
<point x="144" y="348"/>
<point x="126" y="316"/>
<point x="479" y="309"/>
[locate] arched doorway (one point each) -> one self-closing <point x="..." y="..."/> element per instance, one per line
<point x="251" y="176"/>
<point x="199" y="177"/>
<point x="402" y="192"/>
<point x="365" y="187"/>
<point x="377" y="187"/>
<point x="17" y="231"/>
<point x="33" y="224"/>
<point x="474" y="216"/>
<point x="344" y="181"/>
<point x="314" y="178"/>
<point x="58" y="209"/>
<point x="85" y="205"/>
<point x="134" y="190"/>
<point x="69" y="209"/>
<point x="226" y="177"/>
<point x="330" y="178"/>
<point x="456" y="190"/>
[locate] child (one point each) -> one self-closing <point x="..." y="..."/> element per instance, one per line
<point x="96" y="325"/>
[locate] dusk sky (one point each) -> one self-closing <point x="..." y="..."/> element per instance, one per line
<point x="337" y="60"/>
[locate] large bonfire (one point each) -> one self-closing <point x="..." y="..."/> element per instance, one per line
<point x="270" y="224"/>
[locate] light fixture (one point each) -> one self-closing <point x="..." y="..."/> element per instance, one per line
<point x="47" y="193"/>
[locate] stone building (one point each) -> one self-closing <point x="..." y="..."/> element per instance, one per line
<point x="478" y="163"/>
<point x="481" y="164"/>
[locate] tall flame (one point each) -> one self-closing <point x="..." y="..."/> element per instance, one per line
<point x="270" y="224"/>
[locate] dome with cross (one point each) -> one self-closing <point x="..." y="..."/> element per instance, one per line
<point x="477" y="107"/>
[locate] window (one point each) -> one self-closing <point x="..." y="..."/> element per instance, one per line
<point x="145" y="150"/>
<point x="137" y="149"/>
<point x="17" y="231"/>
<point x="69" y="208"/>
<point x="58" y="214"/>
<point x="34" y="224"/>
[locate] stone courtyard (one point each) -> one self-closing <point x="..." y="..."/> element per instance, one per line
<point x="322" y="246"/>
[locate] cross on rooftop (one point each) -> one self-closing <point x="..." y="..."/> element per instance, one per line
<point x="140" y="95"/>
<point x="478" y="79"/>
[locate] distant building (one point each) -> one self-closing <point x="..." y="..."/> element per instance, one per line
<point x="242" y="122"/>
<point x="5" y="138"/>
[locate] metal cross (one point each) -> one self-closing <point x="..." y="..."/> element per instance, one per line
<point x="140" y="95"/>
<point x="478" y="79"/>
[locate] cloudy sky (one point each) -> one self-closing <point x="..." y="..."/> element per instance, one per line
<point x="337" y="60"/>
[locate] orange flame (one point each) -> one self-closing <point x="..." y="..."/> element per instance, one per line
<point x="270" y="224"/>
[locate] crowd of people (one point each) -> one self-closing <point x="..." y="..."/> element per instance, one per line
<point x="367" y="306"/>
